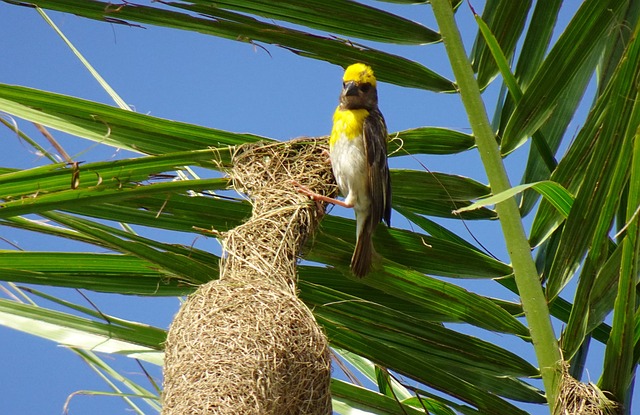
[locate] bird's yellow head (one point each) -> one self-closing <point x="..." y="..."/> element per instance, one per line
<point x="358" y="88"/>
<point x="359" y="73"/>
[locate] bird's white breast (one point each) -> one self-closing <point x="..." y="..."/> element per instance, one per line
<point x="349" y="163"/>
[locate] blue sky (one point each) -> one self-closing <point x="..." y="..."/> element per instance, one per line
<point x="217" y="83"/>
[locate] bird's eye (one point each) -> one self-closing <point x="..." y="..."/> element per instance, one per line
<point x="365" y="87"/>
<point x="344" y="84"/>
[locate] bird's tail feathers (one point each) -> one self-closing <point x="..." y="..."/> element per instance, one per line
<point x="363" y="253"/>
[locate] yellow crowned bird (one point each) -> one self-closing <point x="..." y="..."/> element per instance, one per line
<point x="358" y="152"/>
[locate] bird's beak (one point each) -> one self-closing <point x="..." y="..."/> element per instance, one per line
<point x="351" y="89"/>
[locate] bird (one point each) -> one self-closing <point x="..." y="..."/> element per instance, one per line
<point x="358" y="155"/>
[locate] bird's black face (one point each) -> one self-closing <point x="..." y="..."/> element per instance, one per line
<point x="358" y="96"/>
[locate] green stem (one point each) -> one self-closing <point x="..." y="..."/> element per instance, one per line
<point x="533" y="300"/>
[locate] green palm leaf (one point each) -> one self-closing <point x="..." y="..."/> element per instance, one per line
<point x="408" y="319"/>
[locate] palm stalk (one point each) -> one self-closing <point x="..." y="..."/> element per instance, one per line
<point x="532" y="296"/>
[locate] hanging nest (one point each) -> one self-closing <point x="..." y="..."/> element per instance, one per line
<point x="245" y="344"/>
<point x="577" y="398"/>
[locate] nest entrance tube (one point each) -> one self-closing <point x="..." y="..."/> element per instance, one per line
<point x="246" y="344"/>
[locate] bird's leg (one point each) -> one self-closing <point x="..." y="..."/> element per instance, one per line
<point x="318" y="197"/>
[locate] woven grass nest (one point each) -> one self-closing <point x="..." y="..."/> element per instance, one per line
<point x="577" y="398"/>
<point x="245" y="344"/>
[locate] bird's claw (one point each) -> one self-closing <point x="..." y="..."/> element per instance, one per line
<point x="317" y="196"/>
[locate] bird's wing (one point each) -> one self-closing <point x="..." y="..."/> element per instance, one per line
<point x="375" y="139"/>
